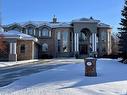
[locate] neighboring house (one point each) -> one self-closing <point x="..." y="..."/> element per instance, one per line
<point x="61" y="39"/>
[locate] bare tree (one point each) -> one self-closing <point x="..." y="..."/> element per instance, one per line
<point x="2" y="44"/>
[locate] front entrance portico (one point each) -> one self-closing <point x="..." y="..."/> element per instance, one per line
<point x="85" y="42"/>
<point x="86" y="30"/>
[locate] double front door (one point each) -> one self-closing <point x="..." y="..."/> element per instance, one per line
<point x="83" y="49"/>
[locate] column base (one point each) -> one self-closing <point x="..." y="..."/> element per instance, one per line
<point x="76" y="54"/>
<point x="12" y="57"/>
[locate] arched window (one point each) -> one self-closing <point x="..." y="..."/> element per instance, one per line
<point x="22" y="48"/>
<point x="85" y="35"/>
<point x="45" y="32"/>
<point x="45" y="47"/>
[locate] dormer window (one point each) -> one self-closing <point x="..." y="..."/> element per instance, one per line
<point x="46" y="32"/>
<point x="30" y="31"/>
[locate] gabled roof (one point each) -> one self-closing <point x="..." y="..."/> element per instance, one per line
<point x="60" y="24"/>
<point x="42" y="23"/>
<point x="17" y="35"/>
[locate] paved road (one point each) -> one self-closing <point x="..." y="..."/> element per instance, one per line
<point x="10" y="74"/>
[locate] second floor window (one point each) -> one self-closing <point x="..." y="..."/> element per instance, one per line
<point x="30" y="31"/>
<point x="46" y="32"/>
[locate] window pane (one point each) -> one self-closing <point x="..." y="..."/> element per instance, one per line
<point x="59" y="40"/>
<point x="22" y="49"/>
<point x="45" y="32"/>
<point x="30" y="31"/>
<point x="45" y="47"/>
<point x="65" y="41"/>
<point x="58" y="35"/>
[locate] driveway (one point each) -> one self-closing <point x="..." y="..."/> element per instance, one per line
<point x="12" y="73"/>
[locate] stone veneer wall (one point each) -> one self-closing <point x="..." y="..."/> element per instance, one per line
<point x="28" y="50"/>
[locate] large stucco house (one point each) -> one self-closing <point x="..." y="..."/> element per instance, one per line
<point x="35" y="39"/>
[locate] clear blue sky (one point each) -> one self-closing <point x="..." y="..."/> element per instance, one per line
<point x="108" y="11"/>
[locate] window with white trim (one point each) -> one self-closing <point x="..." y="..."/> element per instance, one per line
<point x="30" y="31"/>
<point x="45" y="47"/>
<point x="46" y="32"/>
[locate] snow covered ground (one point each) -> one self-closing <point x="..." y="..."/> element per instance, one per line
<point x="6" y="64"/>
<point x="70" y="80"/>
<point x="62" y="60"/>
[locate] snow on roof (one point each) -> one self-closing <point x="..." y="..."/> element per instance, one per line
<point x="91" y="20"/>
<point x="17" y="35"/>
<point x="103" y="25"/>
<point x="59" y="24"/>
<point x="42" y="23"/>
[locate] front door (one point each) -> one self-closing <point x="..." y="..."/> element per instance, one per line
<point x="84" y="49"/>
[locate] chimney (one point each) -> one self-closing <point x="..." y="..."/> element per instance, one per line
<point x="54" y="19"/>
<point x="91" y="17"/>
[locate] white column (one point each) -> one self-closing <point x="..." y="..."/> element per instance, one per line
<point x="39" y="33"/>
<point x="13" y="55"/>
<point x="93" y="42"/>
<point x="10" y="48"/>
<point x="34" y="32"/>
<point x="13" y="48"/>
<point x="49" y="33"/>
<point x="72" y="42"/>
<point x="26" y="31"/>
<point x="75" y="42"/>
<point x="33" y="50"/>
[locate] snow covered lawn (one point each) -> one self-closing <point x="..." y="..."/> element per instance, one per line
<point x="6" y="64"/>
<point x="70" y="80"/>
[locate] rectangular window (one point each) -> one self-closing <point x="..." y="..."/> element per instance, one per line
<point x="65" y="41"/>
<point x="30" y="31"/>
<point x="58" y="35"/>
<point x="59" y="40"/>
<point x="22" y="49"/>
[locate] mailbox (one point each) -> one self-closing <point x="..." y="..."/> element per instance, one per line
<point x="90" y="67"/>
